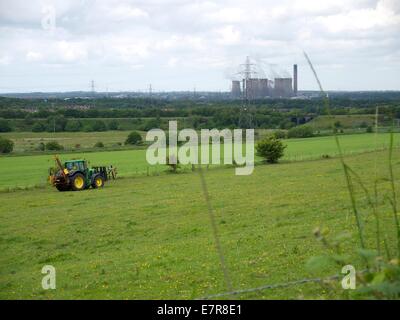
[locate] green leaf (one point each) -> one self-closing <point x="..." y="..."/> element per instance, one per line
<point x="378" y="278"/>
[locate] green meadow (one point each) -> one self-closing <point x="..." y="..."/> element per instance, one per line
<point x="32" y="170"/>
<point x="150" y="237"/>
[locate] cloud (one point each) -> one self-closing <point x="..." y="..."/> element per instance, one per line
<point x="197" y="41"/>
<point x="34" y="56"/>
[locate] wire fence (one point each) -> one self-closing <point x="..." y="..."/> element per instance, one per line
<point x="269" y="286"/>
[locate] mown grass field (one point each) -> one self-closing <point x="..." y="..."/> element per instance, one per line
<point x="150" y="237"/>
<point x="28" y="171"/>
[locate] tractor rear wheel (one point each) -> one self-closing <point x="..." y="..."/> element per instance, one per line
<point x="97" y="181"/>
<point x="78" y="182"/>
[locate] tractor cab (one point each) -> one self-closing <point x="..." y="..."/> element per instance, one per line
<point x="76" y="165"/>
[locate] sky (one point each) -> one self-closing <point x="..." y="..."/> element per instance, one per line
<point x="62" y="45"/>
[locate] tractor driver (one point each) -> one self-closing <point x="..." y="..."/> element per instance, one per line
<point x="71" y="166"/>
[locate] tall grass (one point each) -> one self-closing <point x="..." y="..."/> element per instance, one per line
<point x="379" y="282"/>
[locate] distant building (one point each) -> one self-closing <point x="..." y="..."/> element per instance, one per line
<point x="283" y="88"/>
<point x="236" y="92"/>
<point x="260" y="88"/>
<point x="257" y="88"/>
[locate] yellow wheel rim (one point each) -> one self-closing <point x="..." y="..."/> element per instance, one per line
<point x="99" y="182"/>
<point x="79" y="182"/>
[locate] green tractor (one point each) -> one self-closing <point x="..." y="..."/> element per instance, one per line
<point x="76" y="176"/>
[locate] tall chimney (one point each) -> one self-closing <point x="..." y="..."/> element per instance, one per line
<point x="295" y="79"/>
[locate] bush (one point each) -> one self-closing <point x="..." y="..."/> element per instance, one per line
<point x="38" y="127"/>
<point x="6" y="145"/>
<point x="88" y="128"/>
<point x="56" y="123"/>
<point x="28" y="120"/>
<point x="99" y="145"/>
<point x="54" y="145"/>
<point x="134" y="138"/>
<point x="370" y="129"/>
<point x="99" y="125"/>
<point x="113" y="125"/>
<point x="41" y="147"/>
<point x="5" y="126"/>
<point x="151" y="124"/>
<point x="337" y="124"/>
<point x="271" y="149"/>
<point x="73" y="126"/>
<point x="280" y="134"/>
<point x="301" y="132"/>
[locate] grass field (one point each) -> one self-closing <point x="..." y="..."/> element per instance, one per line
<point x="29" y="141"/>
<point x="28" y="171"/>
<point x="346" y="121"/>
<point x="150" y="237"/>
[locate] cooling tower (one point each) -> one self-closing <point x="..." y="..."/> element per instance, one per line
<point x="236" y="92"/>
<point x="283" y="88"/>
<point x="257" y="88"/>
<point x="251" y="88"/>
<point x="263" y="88"/>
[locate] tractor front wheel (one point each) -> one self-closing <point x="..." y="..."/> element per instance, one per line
<point x="78" y="182"/>
<point x="97" y="181"/>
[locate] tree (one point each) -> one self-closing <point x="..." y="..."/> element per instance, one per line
<point x="151" y="124"/>
<point x="280" y="134"/>
<point x="5" y="126"/>
<point x="56" y="123"/>
<point x="301" y="132"/>
<point x="6" y="145"/>
<point x="41" y="147"/>
<point x="364" y="124"/>
<point x="271" y="149"/>
<point x="28" y="119"/>
<point x="134" y="138"/>
<point x="113" y="125"/>
<point x="337" y="124"/>
<point x="38" y="127"/>
<point x="99" y="145"/>
<point x="54" y="145"/>
<point x="99" y="125"/>
<point x="73" y="126"/>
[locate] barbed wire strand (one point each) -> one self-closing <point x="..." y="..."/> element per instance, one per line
<point x="277" y="285"/>
<point x="268" y="286"/>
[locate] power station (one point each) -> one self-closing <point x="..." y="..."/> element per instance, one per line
<point x="252" y="87"/>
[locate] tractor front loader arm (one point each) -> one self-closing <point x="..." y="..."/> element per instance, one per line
<point x="61" y="167"/>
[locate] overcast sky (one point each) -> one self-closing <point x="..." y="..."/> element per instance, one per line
<point x="181" y="44"/>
